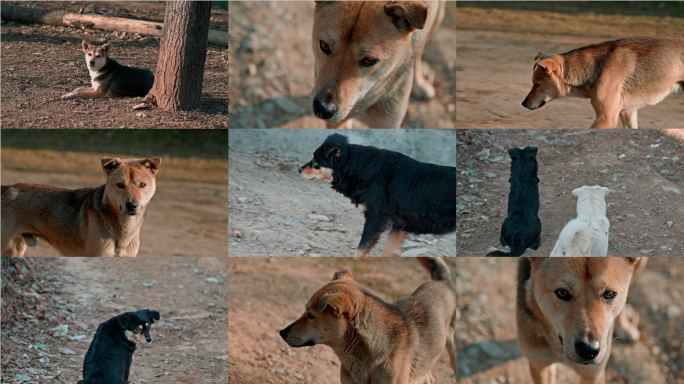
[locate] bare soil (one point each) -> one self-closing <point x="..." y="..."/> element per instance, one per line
<point x="267" y="294"/>
<point x="273" y="211"/>
<point x="488" y="352"/>
<point x="645" y="219"/>
<point x="271" y="68"/>
<point x="189" y="344"/>
<point x="42" y="62"/>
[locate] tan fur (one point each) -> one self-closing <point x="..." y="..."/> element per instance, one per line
<point x="102" y="221"/>
<point x="619" y="77"/>
<point x="377" y="343"/>
<point x="394" y="33"/>
<point x="550" y="328"/>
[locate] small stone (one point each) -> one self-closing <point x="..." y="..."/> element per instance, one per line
<point x="243" y="199"/>
<point x="671" y="190"/>
<point x="489" y="174"/>
<point x="669" y="224"/>
<point x="672" y="311"/>
<point x="318" y="217"/>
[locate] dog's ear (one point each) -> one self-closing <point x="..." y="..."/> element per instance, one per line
<point x="152" y="163"/>
<point x="631" y="261"/>
<point x="339" y="302"/>
<point x="347" y="274"/>
<point x="603" y="191"/>
<point x="110" y="163"/>
<point x="549" y="67"/>
<point x="86" y="46"/>
<point x="541" y="56"/>
<point x="408" y="15"/>
<point x="125" y="319"/>
<point x="107" y="48"/>
<point x="514" y="152"/>
<point x="332" y="150"/>
<point x="152" y="315"/>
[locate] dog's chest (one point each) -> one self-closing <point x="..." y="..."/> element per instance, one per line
<point x="96" y="79"/>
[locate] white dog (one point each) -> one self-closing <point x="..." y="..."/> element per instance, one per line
<point x="587" y="234"/>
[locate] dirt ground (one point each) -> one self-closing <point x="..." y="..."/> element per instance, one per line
<point x="488" y="352"/>
<point x="271" y="68"/>
<point x="267" y="294"/>
<point x="189" y="344"/>
<point x="496" y="50"/>
<point x="643" y="169"/>
<point x="278" y="213"/>
<point x="41" y="63"/>
<point x="187" y="216"/>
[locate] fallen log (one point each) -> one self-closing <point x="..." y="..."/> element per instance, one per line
<point x="104" y="23"/>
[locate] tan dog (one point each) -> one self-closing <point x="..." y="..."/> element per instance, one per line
<point x="368" y="58"/>
<point x="377" y="342"/>
<point x="619" y="77"/>
<point x="103" y="221"/>
<point x="566" y="310"/>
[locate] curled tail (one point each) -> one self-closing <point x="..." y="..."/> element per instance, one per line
<point x="436" y="267"/>
<point x="517" y="249"/>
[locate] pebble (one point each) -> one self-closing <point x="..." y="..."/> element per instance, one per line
<point x="243" y="199"/>
<point x="671" y="190"/>
<point x="669" y="224"/>
<point x="672" y="311"/>
<point x="318" y="217"/>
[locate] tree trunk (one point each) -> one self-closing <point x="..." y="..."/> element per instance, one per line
<point x="182" y="54"/>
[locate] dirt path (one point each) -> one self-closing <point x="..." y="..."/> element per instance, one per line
<point x="643" y="169"/>
<point x="271" y="68"/>
<point x="41" y="63"/>
<point x="189" y="343"/>
<point x="267" y="294"/>
<point x="494" y="75"/>
<point x="487" y="339"/>
<point x="272" y="205"/>
<point x="184" y="219"/>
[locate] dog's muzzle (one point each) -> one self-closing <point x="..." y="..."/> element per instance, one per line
<point x="322" y="110"/>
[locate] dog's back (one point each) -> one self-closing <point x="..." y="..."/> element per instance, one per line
<point x="125" y="81"/>
<point x="109" y="356"/>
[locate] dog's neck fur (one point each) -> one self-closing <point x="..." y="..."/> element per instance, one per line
<point x="126" y="231"/>
<point x="576" y="78"/>
<point x="590" y="207"/>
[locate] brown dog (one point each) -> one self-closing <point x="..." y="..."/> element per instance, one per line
<point x="368" y="58"/>
<point x="103" y="221"/>
<point x="566" y="310"/>
<point x="377" y="342"/>
<point x="619" y="77"/>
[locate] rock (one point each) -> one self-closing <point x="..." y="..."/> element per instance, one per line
<point x="672" y="311"/>
<point x="631" y="215"/>
<point x="243" y="199"/>
<point x="669" y="224"/>
<point x="415" y="252"/>
<point x="60" y="330"/>
<point x="67" y="352"/>
<point x="212" y="280"/>
<point x="318" y="217"/>
<point x="671" y="190"/>
<point x="276" y="370"/>
<point x="490" y="175"/>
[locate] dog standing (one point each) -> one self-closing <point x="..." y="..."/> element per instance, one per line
<point x="378" y="342"/>
<point x="103" y="221"/>
<point x="109" y="357"/>
<point x="618" y="76"/>
<point x="392" y="190"/>
<point x="522" y="228"/>
<point x="368" y="58"/>
<point x="109" y="78"/>
<point x="587" y="234"/>
<point x="567" y="309"/>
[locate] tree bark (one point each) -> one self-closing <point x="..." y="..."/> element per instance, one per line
<point x="182" y="54"/>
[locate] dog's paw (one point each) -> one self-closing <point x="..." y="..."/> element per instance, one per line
<point x="68" y="96"/>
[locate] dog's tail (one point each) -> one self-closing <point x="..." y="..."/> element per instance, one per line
<point x="436" y="267"/>
<point x="517" y="249"/>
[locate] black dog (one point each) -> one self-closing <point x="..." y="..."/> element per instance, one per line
<point x="522" y="228"/>
<point x="393" y="191"/>
<point x="108" y="360"/>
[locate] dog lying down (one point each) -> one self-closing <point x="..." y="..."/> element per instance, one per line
<point x="587" y="234"/>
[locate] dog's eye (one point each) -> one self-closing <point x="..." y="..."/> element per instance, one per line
<point x="325" y="47"/>
<point x="120" y="185"/>
<point x="609" y="295"/>
<point x="563" y="294"/>
<point x="536" y="85"/>
<point x="368" y="62"/>
<point x="143" y="185"/>
<point x="312" y="317"/>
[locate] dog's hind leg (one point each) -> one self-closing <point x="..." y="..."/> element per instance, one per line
<point x="629" y="119"/>
<point x="451" y="349"/>
<point x="396" y="237"/>
<point x="371" y="233"/>
<point x="626" y="324"/>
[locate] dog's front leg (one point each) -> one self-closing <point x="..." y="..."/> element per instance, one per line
<point x="371" y="233"/>
<point x="543" y="374"/>
<point x="606" y="98"/>
<point x="396" y="237"/>
<point x="629" y="119"/>
<point x="85" y="92"/>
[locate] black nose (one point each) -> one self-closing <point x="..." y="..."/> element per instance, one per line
<point x="131" y="206"/>
<point x="587" y="351"/>
<point x="149" y="339"/>
<point x="92" y="62"/>
<point x="323" y="111"/>
<point x="300" y="170"/>
<point x="283" y="333"/>
<point x="523" y="103"/>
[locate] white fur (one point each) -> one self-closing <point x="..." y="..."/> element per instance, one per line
<point x="587" y="234"/>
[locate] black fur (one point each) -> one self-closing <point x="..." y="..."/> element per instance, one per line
<point x="398" y="192"/>
<point x="109" y="358"/>
<point x="125" y="81"/>
<point x="522" y="228"/>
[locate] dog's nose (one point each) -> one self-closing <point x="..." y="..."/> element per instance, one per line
<point x="149" y="339"/>
<point x="283" y="333"/>
<point x="587" y="351"/>
<point x="323" y="111"/>
<point x="131" y="206"/>
<point x="300" y="170"/>
<point x="92" y="63"/>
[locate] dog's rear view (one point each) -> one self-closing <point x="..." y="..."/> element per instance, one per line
<point x="522" y="228"/>
<point x="109" y="358"/>
<point x="587" y="234"/>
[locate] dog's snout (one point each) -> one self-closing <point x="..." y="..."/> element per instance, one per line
<point x="283" y="333"/>
<point x="148" y="339"/>
<point x="323" y="111"/>
<point x="587" y="351"/>
<point x="131" y="205"/>
<point x="92" y="62"/>
<point x="300" y="170"/>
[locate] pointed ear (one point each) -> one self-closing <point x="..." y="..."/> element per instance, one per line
<point x="86" y="46"/>
<point x="125" y="319"/>
<point x="153" y="315"/>
<point x="408" y="15"/>
<point x="632" y="260"/>
<point x="347" y="274"/>
<point x="541" y="56"/>
<point x="549" y="67"/>
<point x="107" y="47"/>
<point x="339" y="302"/>
<point x="576" y="191"/>
<point x="603" y="191"/>
<point x="152" y="163"/>
<point x="110" y="163"/>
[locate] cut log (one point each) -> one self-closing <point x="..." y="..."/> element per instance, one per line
<point x="104" y="23"/>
